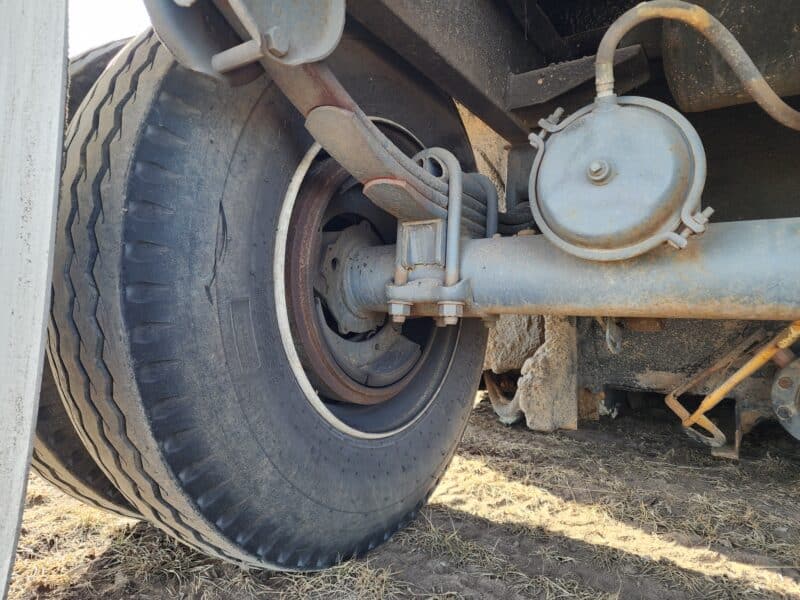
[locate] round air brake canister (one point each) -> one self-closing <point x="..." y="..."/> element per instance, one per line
<point x="614" y="179"/>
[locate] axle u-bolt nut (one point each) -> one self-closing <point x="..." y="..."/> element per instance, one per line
<point x="450" y="311"/>
<point x="399" y="310"/>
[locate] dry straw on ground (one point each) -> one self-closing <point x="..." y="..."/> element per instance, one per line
<point x="624" y="509"/>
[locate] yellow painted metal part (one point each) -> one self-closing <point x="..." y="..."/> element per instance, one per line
<point x="782" y="341"/>
<point x="717" y="438"/>
<point x="702" y="420"/>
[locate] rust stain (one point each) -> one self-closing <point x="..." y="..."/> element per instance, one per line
<point x="692" y="15"/>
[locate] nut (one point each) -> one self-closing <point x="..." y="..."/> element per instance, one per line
<point x="450" y="312"/>
<point x="598" y="171"/>
<point x="399" y="310"/>
<point x="785" y="383"/>
<point x="276" y="42"/>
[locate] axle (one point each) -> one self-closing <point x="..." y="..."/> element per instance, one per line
<point x="742" y="270"/>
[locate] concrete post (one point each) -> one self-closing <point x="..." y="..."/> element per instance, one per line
<point x="32" y="90"/>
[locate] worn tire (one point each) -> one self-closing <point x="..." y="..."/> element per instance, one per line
<point x="85" y="69"/>
<point x="59" y="456"/>
<point x="165" y="327"/>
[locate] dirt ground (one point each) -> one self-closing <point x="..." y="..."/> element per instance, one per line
<point x="619" y="509"/>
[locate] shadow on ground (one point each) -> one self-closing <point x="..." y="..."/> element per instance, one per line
<point x="623" y="509"/>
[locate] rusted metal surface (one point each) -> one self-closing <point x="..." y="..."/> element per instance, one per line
<point x="785" y="398"/>
<point x="391" y="178"/>
<point x="548" y="83"/>
<point x="730" y="272"/>
<point x="783" y="340"/>
<point x="784" y="357"/>
<point x="468" y="48"/>
<point x="714" y="31"/>
<point x="697" y="75"/>
<point x="747" y="414"/>
<point x="336" y="377"/>
<point x="644" y="325"/>
<point x="715" y="438"/>
<point x="660" y="361"/>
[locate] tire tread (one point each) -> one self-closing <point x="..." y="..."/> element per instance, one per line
<point x="104" y="426"/>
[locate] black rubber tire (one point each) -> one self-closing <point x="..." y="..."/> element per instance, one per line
<point x="85" y="69"/>
<point x="59" y="456"/>
<point x="164" y="316"/>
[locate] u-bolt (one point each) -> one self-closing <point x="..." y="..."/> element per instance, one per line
<point x="452" y="269"/>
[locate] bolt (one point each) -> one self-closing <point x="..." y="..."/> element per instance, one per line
<point x="184" y="3"/>
<point x="784" y="412"/>
<point x="556" y="116"/>
<point x="598" y="171"/>
<point x="704" y="215"/>
<point x="785" y="383"/>
<point x="449" y="312"/>
<point x="399" y="310"/>
<point x="276" y="42"/>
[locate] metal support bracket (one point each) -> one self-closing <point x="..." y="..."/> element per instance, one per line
<point x="613" y="334"/>
<point x="292" y="32"/>
<point x="434" y="247"/>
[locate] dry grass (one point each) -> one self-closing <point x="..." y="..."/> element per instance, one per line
<point x="622" y="510"/>
<point x="476" y="559"/>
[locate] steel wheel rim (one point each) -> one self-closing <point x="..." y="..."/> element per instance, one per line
<point x="284" y="321"/>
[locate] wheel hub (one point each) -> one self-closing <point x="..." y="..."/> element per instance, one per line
<point x="349" y="356"/>
<point x="330" y="284"/>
